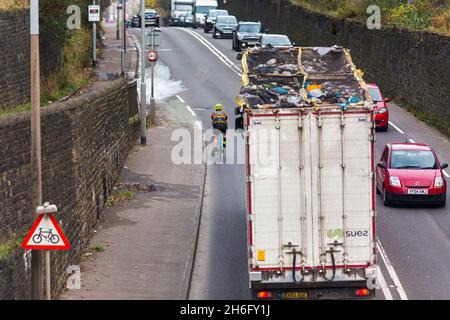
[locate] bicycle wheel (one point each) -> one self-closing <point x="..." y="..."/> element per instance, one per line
<point x="37" y="238"/>
<point x="54" y="239"/>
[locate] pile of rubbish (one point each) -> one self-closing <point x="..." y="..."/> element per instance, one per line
<point x="276" y="80"/>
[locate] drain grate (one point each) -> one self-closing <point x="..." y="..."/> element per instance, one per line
<point x="136" y="187"/>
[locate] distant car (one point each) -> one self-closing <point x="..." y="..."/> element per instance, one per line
<point x="151" y="18"/>
<point x="186" y="19"/>
<point x="136" y="22"/>
<point x="247" y="34"/>
<point x="224" y="27"/>
<point x="411" y="173"/>
<point x="275" y="41"/>
<point x="381" y="111"/>
<point x="210" y="18"/>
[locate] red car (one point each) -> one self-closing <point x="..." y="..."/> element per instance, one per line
<point x="381" y="112"/>
<point x="411" y="173"/>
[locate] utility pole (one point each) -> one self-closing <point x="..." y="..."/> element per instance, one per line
<point x="143" y="86"/>
<point x="125" y="26"/>
<point x="36" y="161"/>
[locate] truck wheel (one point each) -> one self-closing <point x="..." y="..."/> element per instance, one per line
<point x="386" y="200"/>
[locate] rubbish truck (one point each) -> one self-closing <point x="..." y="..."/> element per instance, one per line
<point x="308" y="122"/>
<point x="178" y="8"/>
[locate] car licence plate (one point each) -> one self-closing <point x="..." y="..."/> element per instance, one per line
<point x="294" y="295"/>
<point x="417" y="191"/>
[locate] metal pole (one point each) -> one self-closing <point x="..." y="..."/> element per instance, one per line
<point x="125" y="26"/>
<point x="36" y="164"/>
<point x="47" y="274"/>
<point x="143" y="86"/>
<point x="152" y="98"/>
<point x="118" y="22"/>
<point x="94" y="40"/>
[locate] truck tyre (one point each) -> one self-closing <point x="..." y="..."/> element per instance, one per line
<point x="386" y="199"/>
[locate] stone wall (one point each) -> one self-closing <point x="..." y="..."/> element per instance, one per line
<point x="412" y="66"/>
<point x="85" y="142"/>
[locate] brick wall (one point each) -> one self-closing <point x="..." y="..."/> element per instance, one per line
<point x="413" y="66"/>
<point x="85" y="142"/>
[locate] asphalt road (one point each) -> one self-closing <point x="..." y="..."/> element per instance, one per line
<point x="415" y="241"/>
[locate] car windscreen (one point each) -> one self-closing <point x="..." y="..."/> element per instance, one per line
<point x="413" y="159"/>
<point x="217" y="13"/>
<point x="226" y="20"/>
<point x="150" y="14"/>
<point x="203" y="9"/>
<point x="276" y="41"/>
<point x="183" y="7"/>
<point x="250" y="28"/>
<point x="375" y="94"/>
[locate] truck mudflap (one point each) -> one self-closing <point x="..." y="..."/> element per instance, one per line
<point x="312" y="291"/>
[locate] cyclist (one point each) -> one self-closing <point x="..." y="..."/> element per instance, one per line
<point x="220" y="121"/>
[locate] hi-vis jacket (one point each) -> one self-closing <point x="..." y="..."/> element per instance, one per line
<point x="219" y="117"/>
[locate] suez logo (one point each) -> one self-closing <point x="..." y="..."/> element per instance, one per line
<point x="352" y="233"/>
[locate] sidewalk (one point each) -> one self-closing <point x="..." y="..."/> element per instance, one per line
<point x="109" y="64"/>
<point x="144" y="247"/>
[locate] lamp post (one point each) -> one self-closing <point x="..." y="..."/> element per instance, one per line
<point x="143" y="86"/>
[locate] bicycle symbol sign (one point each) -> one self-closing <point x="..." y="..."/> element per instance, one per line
<point x="46" y="235"/>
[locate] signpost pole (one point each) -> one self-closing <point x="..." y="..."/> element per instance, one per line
<point x="152" y="98"/>
<point x="94" y="40"/>
<point x="47" y="274"/>
<point x="36" y="161"/>
<point x="118" y="21"/>
<point x="143" y="85"/>
<point x="124" y="26"/>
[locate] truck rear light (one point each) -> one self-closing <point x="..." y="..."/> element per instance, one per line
<point x="364" y="292"/>
<point x="264" y="295"/>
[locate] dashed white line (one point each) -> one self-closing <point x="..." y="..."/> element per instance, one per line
<point x="180" y="98"/>
<point x="391" y="270"/>
<point x="411" y="140"/>
<point x="446" y="174"/>
<point x="382" y="282"/>
<point x="396" y="128"/>
<point x="191" y="111"/>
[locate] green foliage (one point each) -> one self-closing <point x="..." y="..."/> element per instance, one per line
<point x="415" y="16"/>
<point x="9" y="247"/>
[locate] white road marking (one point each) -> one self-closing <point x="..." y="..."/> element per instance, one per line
<point x="191" y="111"/>
<point x="391" y="270"/>
<point x="396" y="128"/>
<point x="180" y="98"/>
<point x="214" y="50"/>
<point x="382" y="282"/>
<point x="411" y="140"/>
<point x="446" y="174"/>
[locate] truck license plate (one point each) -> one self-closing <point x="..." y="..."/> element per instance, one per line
<point x="417" y="191"/>
<point x="294" y="295"/>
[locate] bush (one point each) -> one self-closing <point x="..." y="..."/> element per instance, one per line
<point x="416" y="15"/>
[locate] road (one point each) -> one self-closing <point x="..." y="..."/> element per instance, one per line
<point x="414" y="242"/>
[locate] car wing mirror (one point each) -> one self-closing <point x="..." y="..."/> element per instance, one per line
<point x="381" y="165"/>
<point x="239" y="56"/>
<point x="387" y="99"/>
<point x="444" y="166"/>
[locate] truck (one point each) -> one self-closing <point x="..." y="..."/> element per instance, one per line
<point x="201" y="8"/>
<point x="308" y="122"/>
<point x="178" y="8"/>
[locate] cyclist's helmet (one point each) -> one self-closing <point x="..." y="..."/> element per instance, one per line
<point x="219" y="107"/>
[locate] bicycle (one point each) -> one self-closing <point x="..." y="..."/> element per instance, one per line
<point x="48" y="235"/>
<point x="218" y="142"/>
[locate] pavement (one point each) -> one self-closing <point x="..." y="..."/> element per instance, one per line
<point x="144" y="248"/>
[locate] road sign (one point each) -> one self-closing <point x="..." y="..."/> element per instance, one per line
<point x="152" y="56"/>
<point x="153" y="39"/>
<point x="94" y="13"/>
<point x="46" y="234"/>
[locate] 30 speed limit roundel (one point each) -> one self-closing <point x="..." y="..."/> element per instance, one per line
<point x="152" y="56"/>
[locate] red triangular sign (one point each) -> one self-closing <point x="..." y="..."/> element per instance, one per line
<point x="46" y="234"/>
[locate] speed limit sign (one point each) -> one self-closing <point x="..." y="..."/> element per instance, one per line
<point x="152" y="56"/>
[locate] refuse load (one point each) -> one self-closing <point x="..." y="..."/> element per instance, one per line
<point x="300" y="77"/>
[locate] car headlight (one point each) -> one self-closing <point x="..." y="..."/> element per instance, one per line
<point x="382" y="110"/>
<point x="394" y="182"/>
<point x="438" y="182"/>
